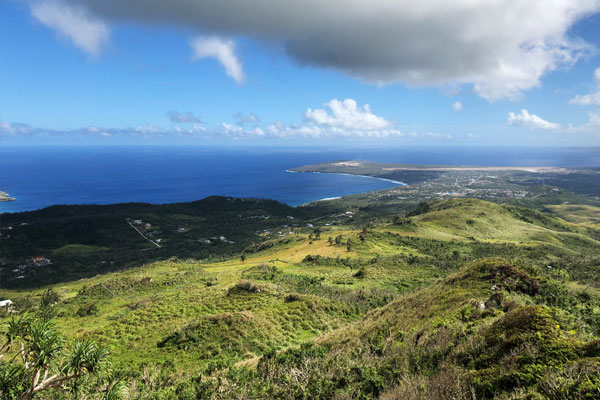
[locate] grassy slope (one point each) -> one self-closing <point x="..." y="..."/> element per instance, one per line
<point x="202" y="316"/>
<point x="447" y="340"/>
<point x="579" y="213"/>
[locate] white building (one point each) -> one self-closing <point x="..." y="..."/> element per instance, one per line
<point x="6" y="303"/>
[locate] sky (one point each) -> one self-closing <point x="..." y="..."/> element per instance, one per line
<point x="280" y="72"/>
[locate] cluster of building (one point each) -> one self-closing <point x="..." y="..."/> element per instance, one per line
<point x="34" y="262"/>
<point x="215" y="239"/>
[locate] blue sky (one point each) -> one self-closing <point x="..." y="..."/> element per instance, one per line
<point x="100" y="72"/>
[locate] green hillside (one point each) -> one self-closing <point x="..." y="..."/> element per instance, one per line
<point x="459" y="298"/>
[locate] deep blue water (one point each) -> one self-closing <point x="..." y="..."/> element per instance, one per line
<point x="44" y="176"/>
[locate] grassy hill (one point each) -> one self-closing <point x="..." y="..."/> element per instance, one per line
<point x="459" y="298"/>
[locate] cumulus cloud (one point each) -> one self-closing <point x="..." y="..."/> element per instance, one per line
<point x="222" y="50"/>
<point x="338" y="118"/>
<point x="183" y="117"/>
<point x="238" y="132"/>
<point x="592" y="99"/>
<point x="73" y="22"/>
<point x="502" y="47"/>
<point x="457" y="106"/>
<point x="531" y="121"/>
<point x="347" y="114"/>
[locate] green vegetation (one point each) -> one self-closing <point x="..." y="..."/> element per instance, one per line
<point x="38" y="363"/>
<point x="83" y="241"/>
<point x="460" y="298"/>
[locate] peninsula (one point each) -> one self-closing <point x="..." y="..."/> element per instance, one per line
<point x="424" y="182"/>
<point x="409" y="173"/>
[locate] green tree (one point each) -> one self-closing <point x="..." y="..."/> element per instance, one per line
<point x="40" y="360"/>
<point x="338" y="240"/>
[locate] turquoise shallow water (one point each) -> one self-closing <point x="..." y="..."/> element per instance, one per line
<point x="42" y="176"/>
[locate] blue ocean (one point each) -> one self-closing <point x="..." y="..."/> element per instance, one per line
<point x="42" y="176"/>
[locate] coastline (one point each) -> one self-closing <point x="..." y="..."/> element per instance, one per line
<point x="347" y="174"/>
<point x="328" y="198"/>
<point x="342" y="173"/>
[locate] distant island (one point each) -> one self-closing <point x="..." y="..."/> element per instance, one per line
<point x="6" y="197"/>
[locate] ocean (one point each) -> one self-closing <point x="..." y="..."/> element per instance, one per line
<point x="43" y="176"/>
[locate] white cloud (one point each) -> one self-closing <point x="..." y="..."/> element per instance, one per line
<point x="148" y="129"/>
<point x="586" y="100"/>
<point x="237" y="132"/>
<point x="339" y="118"/>
<point x="73" y="22"/>
<point x="222" y="50"/>
<point x="347" y="114"/>
<point x="195" y="129"/>
<point x="232" y="129"/>
<point x="531" y="121"/>
<point x="501" y="47"/>
<point x="457" y="106"/>
<point x="592" y="99"/>
<point x="257" y="132"/>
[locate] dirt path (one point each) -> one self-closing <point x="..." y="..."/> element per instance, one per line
<point x="142" y="235"/>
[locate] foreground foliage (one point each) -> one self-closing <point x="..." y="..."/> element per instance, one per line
<point x="34" y="358"/>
